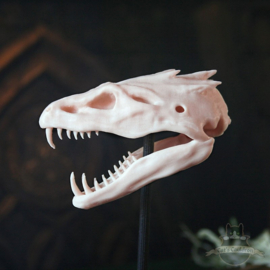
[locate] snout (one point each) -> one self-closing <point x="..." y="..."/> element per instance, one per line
<point x="45" y="116"/>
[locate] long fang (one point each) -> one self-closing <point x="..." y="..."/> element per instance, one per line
<point x="49" y="137"/>
<point x="74" y="186"/>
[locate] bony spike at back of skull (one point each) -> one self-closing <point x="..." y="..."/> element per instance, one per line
<point x="189" y="105"/>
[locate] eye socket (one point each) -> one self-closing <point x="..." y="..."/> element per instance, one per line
<point x="179" y="109"/>
<point x="104" y="101"/>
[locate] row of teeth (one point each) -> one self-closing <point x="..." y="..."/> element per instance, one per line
<point x="119" y="171"/>
<point x="49" y="136"/>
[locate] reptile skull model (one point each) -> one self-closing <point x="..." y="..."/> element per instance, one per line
<point x="188" y="104"/>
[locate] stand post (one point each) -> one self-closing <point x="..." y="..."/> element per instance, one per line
<point x="144" y="219"/>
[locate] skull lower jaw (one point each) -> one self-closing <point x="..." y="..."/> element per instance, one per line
<point x="171" y="155"/>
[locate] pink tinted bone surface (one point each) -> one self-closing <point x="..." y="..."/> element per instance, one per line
<point x="189" y="105"/>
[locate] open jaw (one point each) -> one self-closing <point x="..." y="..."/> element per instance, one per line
<point x="187" y="104"/>
<point x="135" y="171"/>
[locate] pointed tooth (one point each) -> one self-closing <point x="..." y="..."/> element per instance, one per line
<point x="89" y="134"/>
<point x="117" y="171"/>
<point x="105" y="181"/>
<point x="122" y="165"/>
<point x="132" y="157"/>
<point x="82" y="134"/>
<point x="111" y="175"/>
<point x="49" y="137"/>
<point x="125" y="159"/>
<point x="97" y="133"/>
<point x="68" y="134"/>
<point x="96" y="184"/>
<point x="86" y="188"/>
<point x="75" y="133"/>
<point x="74" y="186"/>
<point x="59" y="132"/>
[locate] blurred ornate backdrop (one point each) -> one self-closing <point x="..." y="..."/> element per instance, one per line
<point x="51" y="50"/>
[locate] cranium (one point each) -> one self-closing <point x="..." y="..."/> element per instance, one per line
<point x="189" y="105"/>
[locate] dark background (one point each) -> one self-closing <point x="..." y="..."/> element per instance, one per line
<point x="51" y="50"/>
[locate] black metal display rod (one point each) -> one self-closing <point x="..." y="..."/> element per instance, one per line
<point x="144" y="220"/>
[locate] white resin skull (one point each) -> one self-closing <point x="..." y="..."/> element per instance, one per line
<point x="187" y="104"/>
